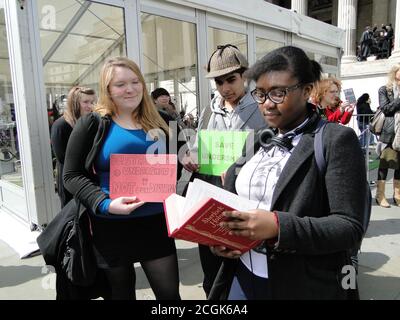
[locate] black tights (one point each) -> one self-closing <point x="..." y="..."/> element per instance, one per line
<point x="122" y="282"/>
<point x="162" y="273"/>
<point x="382" y="174"/>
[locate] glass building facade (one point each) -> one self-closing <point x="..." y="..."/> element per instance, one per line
<point x="49" y="46"/>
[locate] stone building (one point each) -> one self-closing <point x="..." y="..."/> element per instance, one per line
<point x="353" y="16"/>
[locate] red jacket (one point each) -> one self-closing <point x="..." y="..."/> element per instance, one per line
<point x="336" y="116"/>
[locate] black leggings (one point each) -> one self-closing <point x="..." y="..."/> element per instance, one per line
<point x="382" y="174"/>
<point x="162" y="273"/>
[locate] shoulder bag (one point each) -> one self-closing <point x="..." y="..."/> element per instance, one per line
<point x="377" y="121"/>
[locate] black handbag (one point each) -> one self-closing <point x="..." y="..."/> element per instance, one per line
<point x="66" y="244"/>
<point x="79" y="262"/>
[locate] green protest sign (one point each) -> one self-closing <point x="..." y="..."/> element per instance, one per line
<point x="219" y="149"/>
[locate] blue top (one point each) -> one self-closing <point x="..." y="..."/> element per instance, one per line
<point x="122" y="141"/>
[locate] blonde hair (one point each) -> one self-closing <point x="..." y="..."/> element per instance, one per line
<point x="73" y="110"/>
<point x="321" y="88"/>
<point x="146" y="113"/>
<point x="392" y="76"/>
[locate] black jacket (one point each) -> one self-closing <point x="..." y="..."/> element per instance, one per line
<point x="85" y="143"/>
<point x="60" y="133"/>
<point x="364" y="109"/>
<point x="389" y="106"/>
<point x="319" y="219"/>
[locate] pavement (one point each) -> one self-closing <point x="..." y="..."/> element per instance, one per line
<point x="378" y="278"/>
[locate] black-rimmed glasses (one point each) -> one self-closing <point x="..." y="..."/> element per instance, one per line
<point x="275" y="95"/>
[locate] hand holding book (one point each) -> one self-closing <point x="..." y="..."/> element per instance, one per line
<point x="253" y="224"/>
<point x="197" y="217"/>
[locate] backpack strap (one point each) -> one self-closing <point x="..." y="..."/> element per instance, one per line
<point x="321" y="164"/>
<point x="319" y="147"/>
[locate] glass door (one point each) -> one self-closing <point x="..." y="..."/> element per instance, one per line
<point x="76" y="37"/>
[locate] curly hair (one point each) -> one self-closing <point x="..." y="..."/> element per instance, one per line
<point x="392" y="76"/>
<point x="322" y="87"/>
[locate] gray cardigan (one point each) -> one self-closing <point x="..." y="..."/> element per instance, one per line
<point x="320" y="219"/>
<point x="249" y="116"/>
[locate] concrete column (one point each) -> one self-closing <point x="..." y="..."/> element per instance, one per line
<point x="396" y="49"/>
<point x="301" y="6"/>
<point x="347" y="20"/>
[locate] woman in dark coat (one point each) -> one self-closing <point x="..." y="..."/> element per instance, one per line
<point x="80" y="102"/>
<point x="308" y="223"/>
<point x="364" y="114"/>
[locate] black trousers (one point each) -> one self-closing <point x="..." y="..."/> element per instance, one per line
<point x="210" y="264"/>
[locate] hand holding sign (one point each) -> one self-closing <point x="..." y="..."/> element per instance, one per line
<point x="190" y="163"/>
<point x="219" y="149"/>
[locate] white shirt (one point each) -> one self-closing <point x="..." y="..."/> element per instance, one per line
<point x="256" y="181"/>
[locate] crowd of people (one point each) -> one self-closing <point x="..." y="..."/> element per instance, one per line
<point x="376" y="42"/>
<point x="308" y="225"/>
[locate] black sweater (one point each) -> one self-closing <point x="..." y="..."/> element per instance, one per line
<point x="60" y="133"/>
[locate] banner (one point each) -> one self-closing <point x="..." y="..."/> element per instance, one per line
<point x="219" y="149"/>
<point x="150" y="177"/>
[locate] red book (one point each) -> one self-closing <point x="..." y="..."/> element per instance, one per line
<point x="201" y="224"/>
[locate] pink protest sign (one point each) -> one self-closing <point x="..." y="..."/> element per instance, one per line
<point x="150" y="177"/>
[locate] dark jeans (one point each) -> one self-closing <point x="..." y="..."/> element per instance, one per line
<point x="363" y="138"/>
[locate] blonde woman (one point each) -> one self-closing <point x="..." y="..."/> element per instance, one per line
<point x="124" y="230"/>
<point x="79" y="102"/>
<point x="389" y="102"/>
<point x="326" y="97"/>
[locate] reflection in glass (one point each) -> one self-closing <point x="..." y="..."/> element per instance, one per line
<point x="264" y="46"/>
<point x="10" y="164"/>
<point x="322" y="59"/>
<point x="76" y="38"/>
<point x="218" y="37"/>
<point x="170" y="59"/>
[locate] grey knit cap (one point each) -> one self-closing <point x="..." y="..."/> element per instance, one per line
<point x="224" y="60"/>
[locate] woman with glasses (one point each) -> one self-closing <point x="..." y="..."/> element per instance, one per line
<point x="307" y="222"/>
<point x="232" y="109"/>
<point x="326" y="97"/>
<point x="79" y="102"/>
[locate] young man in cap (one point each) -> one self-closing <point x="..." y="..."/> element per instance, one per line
<point x="233" y="108"/>
<point x="163" y="102"/>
